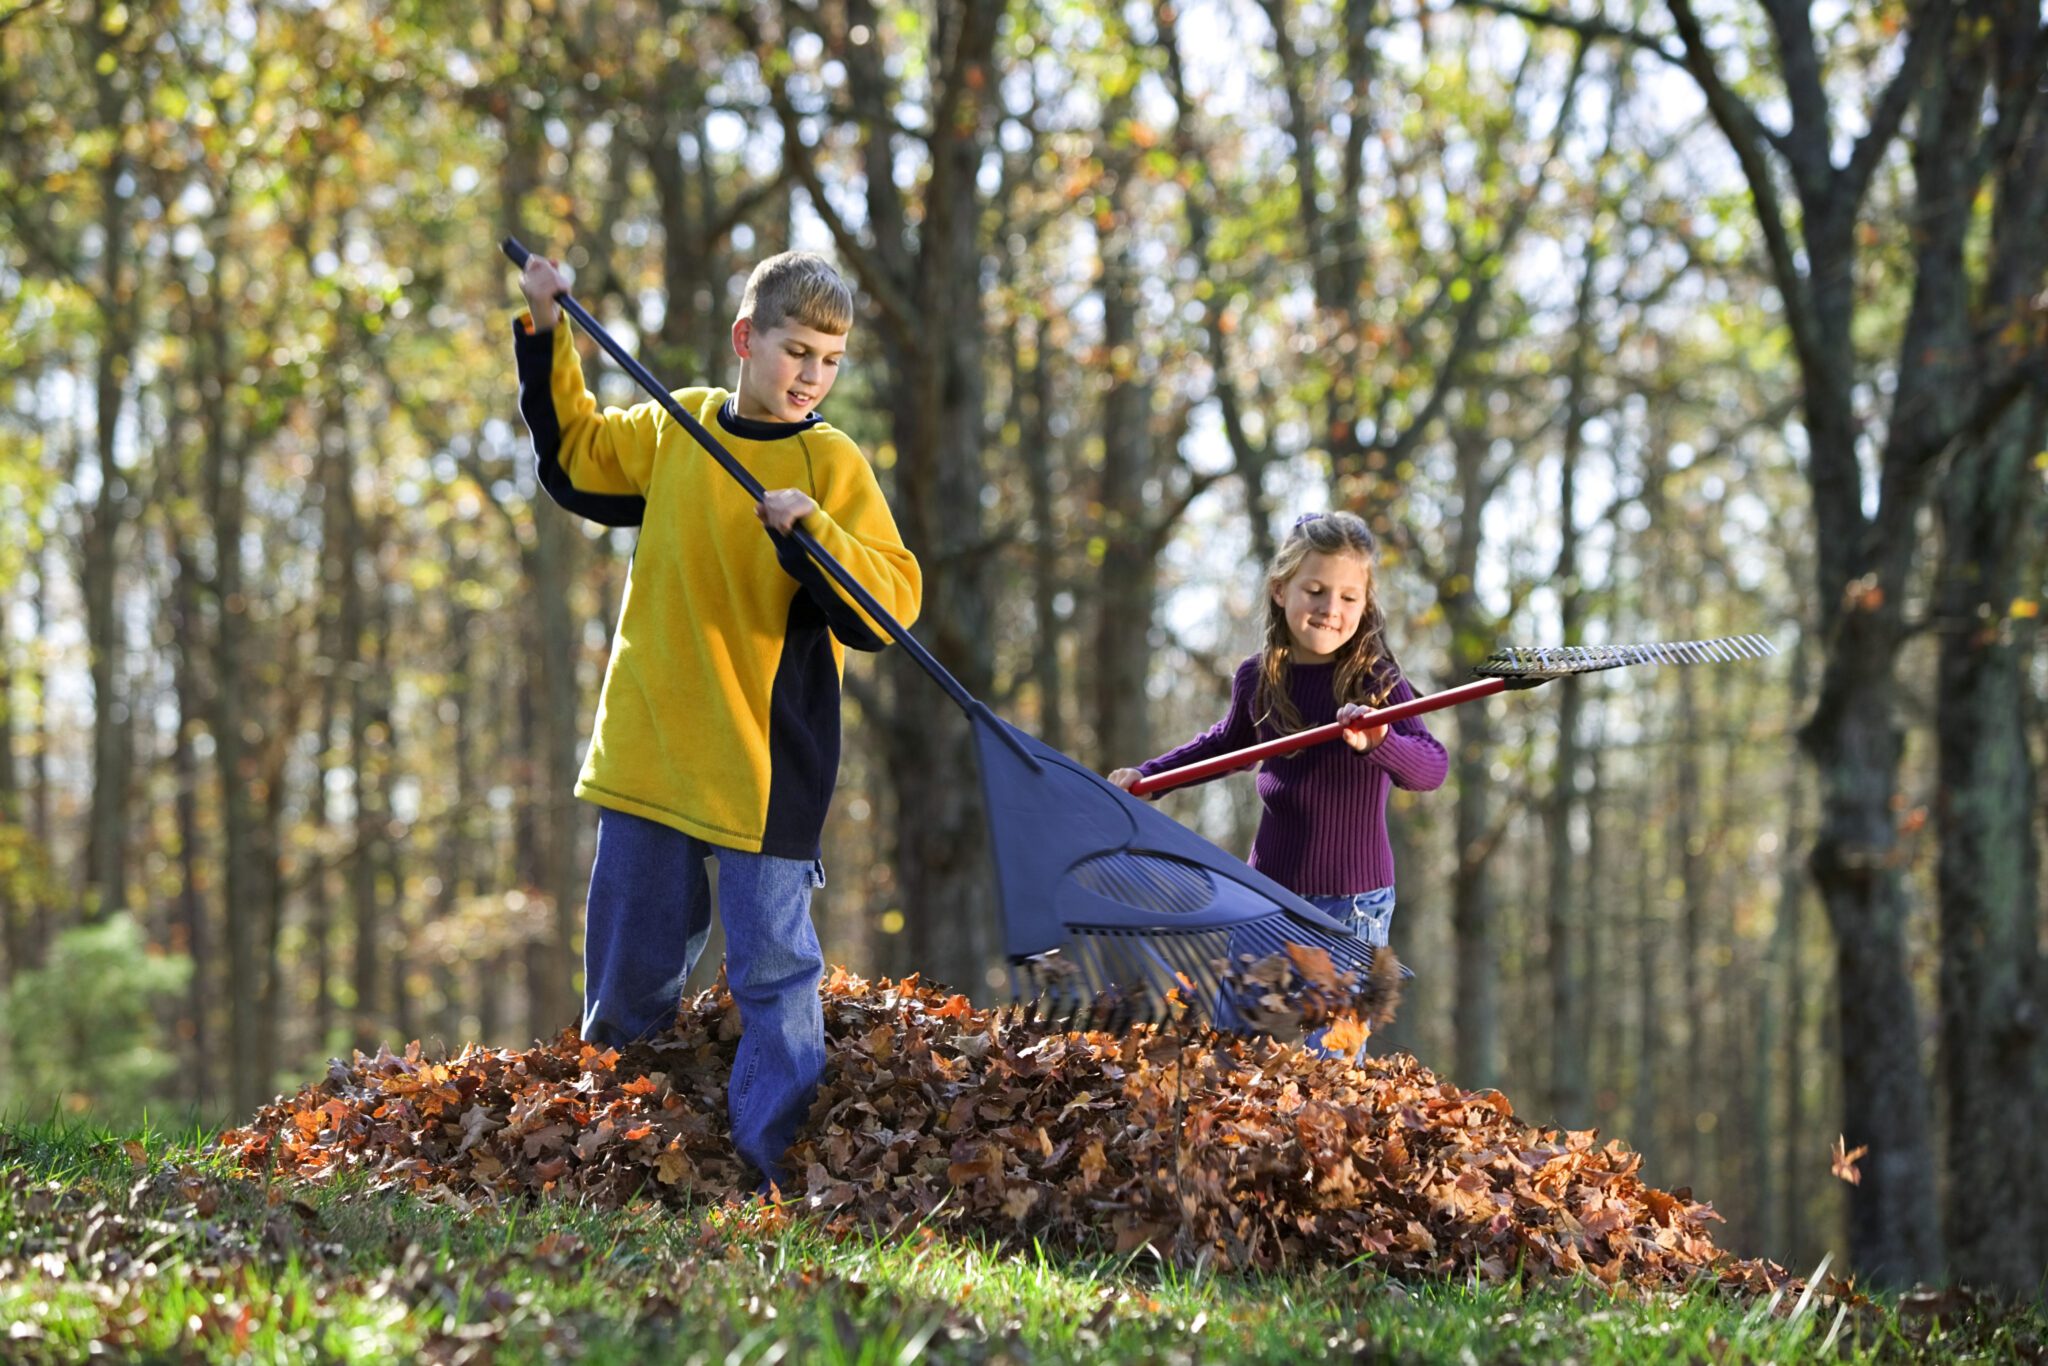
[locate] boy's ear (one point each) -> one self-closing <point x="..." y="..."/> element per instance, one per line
<point x="743" y="338"/>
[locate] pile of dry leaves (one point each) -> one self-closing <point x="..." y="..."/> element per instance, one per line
<point x="1247" y="1153"/>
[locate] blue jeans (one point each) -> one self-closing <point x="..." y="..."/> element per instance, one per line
<point x="648" y="920"/>
<point x="1369" y="915"/>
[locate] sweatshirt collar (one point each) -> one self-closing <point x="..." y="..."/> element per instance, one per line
<point x="754" y="429"/>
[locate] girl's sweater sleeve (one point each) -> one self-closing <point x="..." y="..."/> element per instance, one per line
<point x="1409" y="753"/>
<point x="596" y="463"/>
<point x="1235" y="731"/>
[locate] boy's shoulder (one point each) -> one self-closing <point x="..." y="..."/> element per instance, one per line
<point x="830" y="443"/>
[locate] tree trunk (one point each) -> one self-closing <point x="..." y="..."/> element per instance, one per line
<point x="1570" y="1082"/>
<point x="1993" y="1057"/>
<point x="935" y="379"/>
<point x="40" y="791"/>
<point x="1474" y="917"/>
<point x="1688" y="849"/>
<point x="1989" y="872"/>
<point x="1129" y="570"/>
<point x="101" y="541"/>
<point x="1599" y="1022"/>
<point x="1037" y="448"/>
<point x="233" y="719"/>
<point x="13" y="914"/>
<point x="366" y="914"/>
<point x="191" y="911"/>
<point x="1475" y="1012"/>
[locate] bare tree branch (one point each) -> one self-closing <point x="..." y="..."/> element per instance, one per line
<point x="1747" y="136"/>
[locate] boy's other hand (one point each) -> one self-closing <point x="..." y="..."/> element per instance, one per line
<point x="541" y="281"/>
<point x="1360" y="740"/>
<point x="781" y="509"/>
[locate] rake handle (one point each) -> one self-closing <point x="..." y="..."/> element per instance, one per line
<point x="899" y="633"/>
<point x="1302" y="739"/>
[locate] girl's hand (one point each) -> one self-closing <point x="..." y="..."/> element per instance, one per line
<point x="781" y="509"/>
<point x="540" y="282"/>
<point x="1124" y="777"/>
<point x="1360" y="740"/>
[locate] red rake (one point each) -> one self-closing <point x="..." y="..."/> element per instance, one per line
<point x="1512" y="668"/>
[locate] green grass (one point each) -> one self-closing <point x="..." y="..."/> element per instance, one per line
<point x="149" y="1253"/>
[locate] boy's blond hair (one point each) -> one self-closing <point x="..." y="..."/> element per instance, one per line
<point x="800" y="285"/>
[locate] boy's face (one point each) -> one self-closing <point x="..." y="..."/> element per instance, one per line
<point x="785" y="370"/>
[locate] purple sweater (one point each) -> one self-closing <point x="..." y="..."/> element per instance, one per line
<point x="1324" y="831"/>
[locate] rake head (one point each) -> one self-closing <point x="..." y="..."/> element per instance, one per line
<point x="1540" y="665"/>
<point x="1114" y="914"/>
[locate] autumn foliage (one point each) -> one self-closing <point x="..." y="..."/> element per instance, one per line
<point x="1246" y="1153"/>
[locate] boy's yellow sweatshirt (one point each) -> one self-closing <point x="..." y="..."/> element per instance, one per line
<point x="720" y="710"/>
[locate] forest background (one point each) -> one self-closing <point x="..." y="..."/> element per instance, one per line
<point x="1652" y="321"/>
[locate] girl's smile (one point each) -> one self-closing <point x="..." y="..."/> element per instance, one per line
<point x="1322" y="604"/>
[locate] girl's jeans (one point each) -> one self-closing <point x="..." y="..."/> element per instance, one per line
<point x="649" y="917"/>
<point x="1369" y="915"/>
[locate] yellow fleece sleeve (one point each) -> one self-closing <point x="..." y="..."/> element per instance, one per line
<point x="608" y="451"/>
<point x="854" y="525"/>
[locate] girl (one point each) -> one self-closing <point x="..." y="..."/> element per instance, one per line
<point x="1323" y="833"/>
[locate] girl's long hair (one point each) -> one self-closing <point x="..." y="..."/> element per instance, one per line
<point x="1365" y="671"/>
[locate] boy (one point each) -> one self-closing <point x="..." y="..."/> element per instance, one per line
<point x="717" y="733"/>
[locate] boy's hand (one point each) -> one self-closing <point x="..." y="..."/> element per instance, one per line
<point x="781" y="509"/>
<point x="541" y="281"/>
<point x="1360" y="740"/>
<point x="1124" y="777"/>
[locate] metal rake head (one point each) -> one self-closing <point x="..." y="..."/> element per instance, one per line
<point x="1540" y="664"/>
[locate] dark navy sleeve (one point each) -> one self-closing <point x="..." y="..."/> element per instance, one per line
<point x="535" y="354"/>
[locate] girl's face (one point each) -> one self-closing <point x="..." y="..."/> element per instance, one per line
<point x="1323" y="603"/>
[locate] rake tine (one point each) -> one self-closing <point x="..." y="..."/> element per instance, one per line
<point x="1189" y="966"/>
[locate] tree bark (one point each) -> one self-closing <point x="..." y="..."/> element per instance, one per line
<point x="1570" y="1080"/>
<point x="101" y="540"/>
<point x="233" y="720"/>
<point x="186" y="633"/>
<point x="1127" y="587"/>
<point x="13" y="914"/>
<point x="1989" y="873"/>
<point x="1475" y="920"/>
<point x="1992" y="1052"/>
